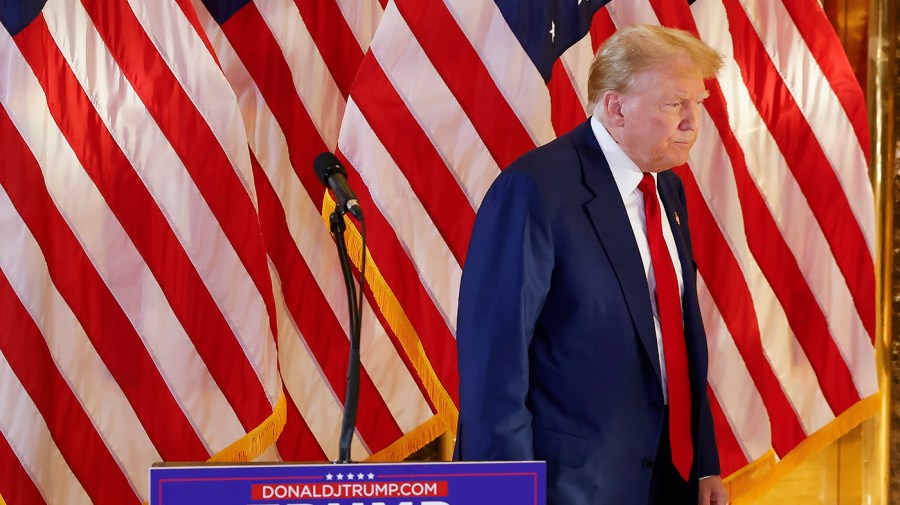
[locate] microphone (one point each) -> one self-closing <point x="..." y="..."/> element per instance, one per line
<point x="333" y="175"/>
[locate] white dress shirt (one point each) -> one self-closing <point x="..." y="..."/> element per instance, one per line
<point x="628" y="176"/>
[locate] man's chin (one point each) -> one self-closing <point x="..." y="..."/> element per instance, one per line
<point x="672" y="162"/>
<point x="681" y="157"/>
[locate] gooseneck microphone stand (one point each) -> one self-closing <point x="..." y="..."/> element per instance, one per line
<point x="354" y="305"/>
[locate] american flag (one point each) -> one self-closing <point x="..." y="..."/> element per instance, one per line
<point x="169" y="292"/>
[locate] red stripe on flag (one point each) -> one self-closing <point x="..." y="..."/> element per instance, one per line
<point x="602" y="27"/>
<point x="781" y="270"/>
<point x="731" y="454"/>
<point x="732" y="297"/>
<point x="401" y="352"/>
<point x="108" y="328"/>
<point x="810" y="20"/>
<point x="566" y="111"/>
<point x="810" y="166"/>
<point x="256" y="47"/>
<point x="189" y="134"/>
<point x="400" y="274"/>
<point x="191" y="14"/>
<point x="297" y="442"/>
<point x="462" y="70"/>
<point x="412" y="150"/>
<point x="148" y="229"/>
<point x="784" y="275"/>
<point x="16" y="485"/>
<point x="82" y="447"/>
<point x="317" y="322"/>
<point x="675" y="15"/>
<point x="334" y="39"/>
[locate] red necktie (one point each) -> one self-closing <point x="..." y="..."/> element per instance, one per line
<point x="668" y="303"/>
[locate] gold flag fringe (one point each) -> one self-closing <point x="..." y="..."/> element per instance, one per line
<point x="390" y="308"/>
<point x="251" y="445"/>
<point x="2" y="501"/>
<point x="750" y="483"/>
<point x="410" y="442"/>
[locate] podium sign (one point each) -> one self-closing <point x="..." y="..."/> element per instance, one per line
<point x="520" y="483"/>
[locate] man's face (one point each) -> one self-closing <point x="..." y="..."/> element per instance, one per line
<point x="661" y="114"/>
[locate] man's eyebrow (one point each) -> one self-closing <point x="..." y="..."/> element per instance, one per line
<point x="681" y="97"/>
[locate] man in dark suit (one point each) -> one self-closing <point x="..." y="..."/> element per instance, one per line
<point x="580" y="338"/>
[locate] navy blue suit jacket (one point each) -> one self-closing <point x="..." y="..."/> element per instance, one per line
<point x="558" y="357"/>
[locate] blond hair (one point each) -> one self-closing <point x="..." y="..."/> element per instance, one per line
<point x="634" y="49"/>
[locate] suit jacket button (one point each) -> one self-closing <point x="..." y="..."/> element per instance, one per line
<point x="647" y="463"/>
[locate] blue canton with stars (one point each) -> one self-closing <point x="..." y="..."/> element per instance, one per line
<point x="546" y="28"/>
<point x="222" y="10"/>
<point x="15" y="15"/>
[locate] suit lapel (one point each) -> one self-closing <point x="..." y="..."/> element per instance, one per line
<point x="607" y="214"/>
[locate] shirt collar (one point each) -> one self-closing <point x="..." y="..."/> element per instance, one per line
<point x="624" y="171"/>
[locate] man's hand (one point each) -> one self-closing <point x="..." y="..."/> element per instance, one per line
<point x="712" y="491"/>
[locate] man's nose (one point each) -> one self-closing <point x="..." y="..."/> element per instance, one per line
<point x="690" y="116"/>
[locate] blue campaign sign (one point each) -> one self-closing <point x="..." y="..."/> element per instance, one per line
<point x="520" y="483"/>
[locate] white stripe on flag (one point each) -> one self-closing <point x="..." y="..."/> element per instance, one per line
<point x="789" y="207"/>
<point x="631" y="12"/>
<point x="509" y="65"/>
<point x="167" y="180"/>
<point x="114" y="256"/>
<point x="433" y="105"/>
<point x="24" y="428"/>
<point x="437" y="268"/>
<point x="312" y="78"/>
<point x="379" y="357"/>
<point x="199" y="75"/>
<point x="577" y="62"/>
<point x="310" y="391"/>
<point x="826" y="117"/>
<point x="23" y="264"/>
<point x="731" y="381"/>
<point x="362" y="16"/>
<point x="793" y="370"/>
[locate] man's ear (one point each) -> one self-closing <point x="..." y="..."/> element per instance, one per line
<point x="611" y="104"/>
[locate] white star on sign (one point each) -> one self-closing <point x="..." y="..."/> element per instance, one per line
<point x="360" y="476"/>
<point x="552" y="31"/>
<point x="328" y="476"/>
<point x="371" y="476"/>
<point x="349" y="476"/>
<point x="340" y="476"/>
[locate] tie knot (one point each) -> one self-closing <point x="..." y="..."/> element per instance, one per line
<point x="647" y="184"/>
